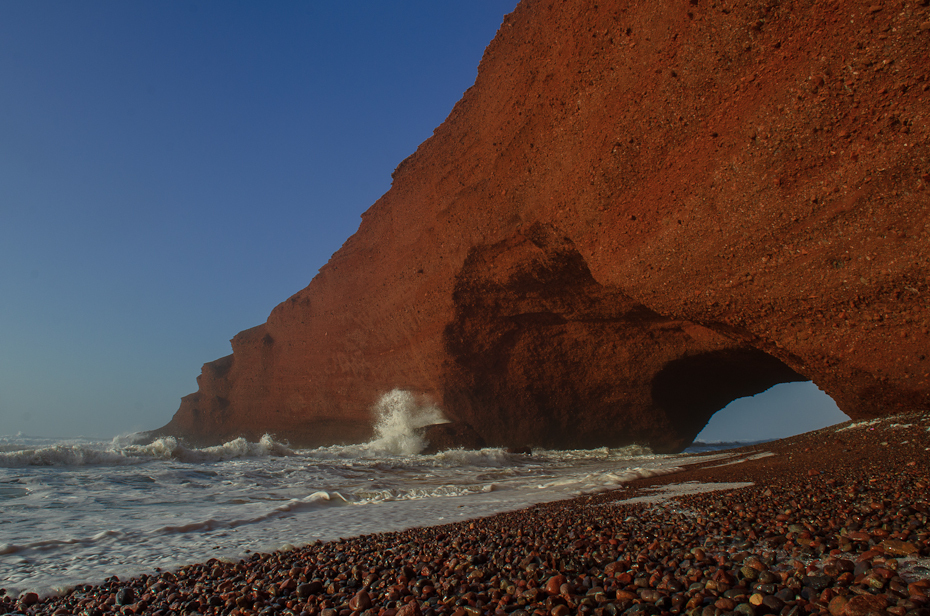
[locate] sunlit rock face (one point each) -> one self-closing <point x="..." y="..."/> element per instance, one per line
<point x="639" y="212"/>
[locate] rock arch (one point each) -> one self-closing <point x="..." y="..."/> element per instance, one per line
<point x="691" y="389"/>
<point x="543" y="355"/>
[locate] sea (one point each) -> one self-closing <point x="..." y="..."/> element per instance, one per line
<point x="75" y="511"/>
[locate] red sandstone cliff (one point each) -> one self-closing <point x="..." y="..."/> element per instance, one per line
<point x="639" y="212"/>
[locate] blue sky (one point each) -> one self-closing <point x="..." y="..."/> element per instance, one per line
<point x="170" y="171"/>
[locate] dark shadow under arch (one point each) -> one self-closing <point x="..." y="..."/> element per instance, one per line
<point x="691" y="389"/>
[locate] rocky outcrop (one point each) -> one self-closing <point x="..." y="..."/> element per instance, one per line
<point x="639" y="212"/>
<point x="452" y="435"/>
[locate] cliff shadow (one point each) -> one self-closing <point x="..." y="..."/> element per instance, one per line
<point x="541" y="354"/>
<point x="691" y="389"/>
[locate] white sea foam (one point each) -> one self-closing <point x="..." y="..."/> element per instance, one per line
<point x="664" y="493"/>
<point x="888" y="423"/>
<point x="859" y="424"/>
<point x="79" y="511"/>
<point x="399" y="415"/>
<point x="731" y="459"/>
<point x="702" y="447"/>
<point x="40" y="452"/>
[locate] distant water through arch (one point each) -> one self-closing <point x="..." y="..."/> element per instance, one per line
<point x="781" y="411"/>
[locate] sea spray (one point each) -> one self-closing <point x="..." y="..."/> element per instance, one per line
<point x="399" y="415"/>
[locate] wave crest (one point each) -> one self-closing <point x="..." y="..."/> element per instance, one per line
<point x="91" y="453"/>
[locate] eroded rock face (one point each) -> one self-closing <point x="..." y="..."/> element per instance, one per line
<point x="639" y="212"/>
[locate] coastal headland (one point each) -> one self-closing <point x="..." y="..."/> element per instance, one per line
<point x="638" y="213"/>
<point x="833" y="522"/>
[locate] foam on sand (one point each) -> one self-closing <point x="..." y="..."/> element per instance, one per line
<point x="661" y="494"/>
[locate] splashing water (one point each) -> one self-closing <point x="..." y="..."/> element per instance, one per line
<point x="399" y="415"/>
<point x="77" y="510"/>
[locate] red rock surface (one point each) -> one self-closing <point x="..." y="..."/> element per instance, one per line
<point x="639" y="212"/>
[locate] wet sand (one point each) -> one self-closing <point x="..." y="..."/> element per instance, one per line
<point x="829" y="522"/>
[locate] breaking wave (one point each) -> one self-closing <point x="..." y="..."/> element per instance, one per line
<point x="119" y="504"/>
<point x="399" y="415"/>
<point x="78" y="452"/>
<point x="399" y="418"/>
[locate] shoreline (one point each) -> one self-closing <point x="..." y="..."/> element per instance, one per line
<point x="834" y="522"/>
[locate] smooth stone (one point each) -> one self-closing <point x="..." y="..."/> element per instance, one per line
<point x="125" y="596"/>
<point x="287" y="585"/>
<point x="818" y="582"/>
<point x="725" y="604"/>
<point x="837" y="605"/>
<point x="650" y="595"/>
<point x="745" y="609"/>
<point x="862" y="605"/>
<point x="767" y="577"/>
<point x="411" y="609"/>
<point x="643" y="608"/>
<point x="896" y="547"/>
<point x="773" y="604"/>
<point x="360" y="602"/>
<point x="626" y="595"/>
<point x="554" y="585"/>
<point x="766" y="589"/>
<point x="309" y="588"/>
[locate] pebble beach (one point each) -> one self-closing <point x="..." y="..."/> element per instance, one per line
<point x="829" y="522"/>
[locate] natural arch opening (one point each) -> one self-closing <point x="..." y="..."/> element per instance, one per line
<point x="542" y="355"/>
<point x="779" y="412"/>
<point x="692" y="389"/>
